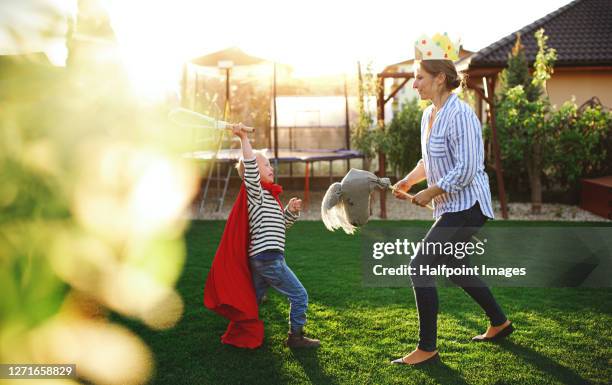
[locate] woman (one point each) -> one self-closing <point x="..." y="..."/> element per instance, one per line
<point x="453" y="164"/>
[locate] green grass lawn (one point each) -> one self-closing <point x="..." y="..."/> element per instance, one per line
<point x="563" y="335"/>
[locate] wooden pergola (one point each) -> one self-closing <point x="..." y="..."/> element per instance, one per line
<point x="482" y="81"/>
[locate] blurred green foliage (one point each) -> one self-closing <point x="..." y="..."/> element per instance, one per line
<point x="92" y="206"/>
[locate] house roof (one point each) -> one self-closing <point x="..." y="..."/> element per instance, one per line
<point x="580" y="32"/>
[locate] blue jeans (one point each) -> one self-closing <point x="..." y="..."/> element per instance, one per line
<point x="275" y="273"/>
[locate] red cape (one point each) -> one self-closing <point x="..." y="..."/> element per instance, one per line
<point x="229" y="287"/>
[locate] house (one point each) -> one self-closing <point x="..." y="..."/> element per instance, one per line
<point x="581" y="34"/>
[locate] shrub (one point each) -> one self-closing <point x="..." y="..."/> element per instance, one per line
<point x="402" y="144"/>
<point x="577" y="140"/>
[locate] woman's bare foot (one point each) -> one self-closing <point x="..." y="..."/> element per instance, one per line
<point x="417" y="356"/>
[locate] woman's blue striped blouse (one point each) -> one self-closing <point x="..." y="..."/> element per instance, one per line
<point x="454" y="158"/>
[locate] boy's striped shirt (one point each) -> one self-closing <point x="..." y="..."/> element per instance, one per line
<point x="267" y="222"/>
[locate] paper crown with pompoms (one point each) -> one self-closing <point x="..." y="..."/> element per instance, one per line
<point x="437" y="47"/>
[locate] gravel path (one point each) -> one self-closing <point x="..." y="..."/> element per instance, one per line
<point x="397" y="209"/>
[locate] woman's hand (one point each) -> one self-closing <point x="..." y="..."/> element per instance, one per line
<point x="294" y="206"/>
<point x="423" y="197"/>
<point x="402" y="186"/>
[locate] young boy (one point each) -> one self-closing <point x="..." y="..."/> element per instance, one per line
<point x="267" y="225"/>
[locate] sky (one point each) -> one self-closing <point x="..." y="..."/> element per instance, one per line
<point x="315" y="37"/>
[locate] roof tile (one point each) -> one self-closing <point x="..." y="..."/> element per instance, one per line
<point x="580" y="32"/>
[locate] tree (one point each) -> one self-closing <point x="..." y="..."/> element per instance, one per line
<point x="517" y="72"/>
<point x="522" y="113"/>
<point x="561" y="145"/>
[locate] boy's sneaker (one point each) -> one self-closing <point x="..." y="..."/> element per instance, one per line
<point x="298" y="340"/>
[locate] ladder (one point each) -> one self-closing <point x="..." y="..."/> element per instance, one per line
<point x="215" y="166"/>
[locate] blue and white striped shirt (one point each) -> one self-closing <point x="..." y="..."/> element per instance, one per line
<point x="454" y="158"/>
<point x="267" y="222"/>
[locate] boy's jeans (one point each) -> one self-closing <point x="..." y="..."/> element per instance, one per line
<point x="275" y="273"/>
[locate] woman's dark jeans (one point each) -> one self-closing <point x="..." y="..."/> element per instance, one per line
<point x="450" y="227"/>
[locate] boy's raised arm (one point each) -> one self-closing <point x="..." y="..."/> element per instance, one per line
<point x="247" y="150"/>
<point x="251" y="170"/>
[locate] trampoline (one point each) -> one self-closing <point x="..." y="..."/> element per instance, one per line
<point x="284" y="156"/>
